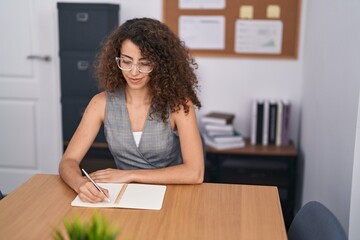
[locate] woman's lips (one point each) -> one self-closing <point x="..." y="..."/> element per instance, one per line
<point x="135" y="80"/>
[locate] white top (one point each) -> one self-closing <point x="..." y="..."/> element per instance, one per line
<point x="137" y="137"/>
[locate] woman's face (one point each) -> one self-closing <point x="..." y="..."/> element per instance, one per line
<point x="137" y="67"/>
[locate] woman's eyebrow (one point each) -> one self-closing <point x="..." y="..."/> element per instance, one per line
<point x="124" y="55"/>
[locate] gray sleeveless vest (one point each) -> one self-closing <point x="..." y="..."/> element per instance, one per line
<point x="159" y="145"/>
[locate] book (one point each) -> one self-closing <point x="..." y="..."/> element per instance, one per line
<point x="253" y="122"/>
<point x="223" y="145"/>
<point x="279" y="123"/>
<point x="218" y="118"/>
<point x="259" y="121"/>
<point x="214" y="133"/>
<point x="285" y="123"/>
<point x="272" y="122"/>
<point x="265" y="138"/>
<point x="236" y="137"/>
<point x="128" y="195"/>
<point x="225" y="128"/>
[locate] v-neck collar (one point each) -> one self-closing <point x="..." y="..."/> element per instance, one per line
<point x="129" y="123"/>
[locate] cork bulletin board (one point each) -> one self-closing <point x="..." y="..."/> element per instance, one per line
<point x="236" y="28"/>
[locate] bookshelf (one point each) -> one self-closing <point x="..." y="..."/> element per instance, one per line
<point x="257" y="165"/>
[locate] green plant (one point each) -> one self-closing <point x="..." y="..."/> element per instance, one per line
<point x="97" y="229"/>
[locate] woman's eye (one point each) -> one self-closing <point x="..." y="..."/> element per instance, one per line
<point x="125" y="61"/>
<point x="145" y="64"/>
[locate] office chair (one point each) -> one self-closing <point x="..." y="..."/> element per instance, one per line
<point x="315" y="221"/>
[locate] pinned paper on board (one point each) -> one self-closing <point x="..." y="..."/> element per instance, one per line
<point x="202" y="32"/>
<point x="209" y="28"/>
<point x="273" y="11"/>
<point x="258" y="36"/>
<point x="246" y="12"/>
<point x="202" y="4"/>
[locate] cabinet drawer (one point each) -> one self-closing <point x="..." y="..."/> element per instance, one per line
<point x="248" y="171"/>
<point x="82" y="27"/>
<point x="77" y="75"/>
<point x="72" y="112"/>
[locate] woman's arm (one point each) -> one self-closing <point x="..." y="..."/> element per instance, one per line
<point x="79" y="145"/>
<point x="190" y="172"/>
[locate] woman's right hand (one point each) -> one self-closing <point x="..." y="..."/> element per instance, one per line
<point x="89" y="193"/>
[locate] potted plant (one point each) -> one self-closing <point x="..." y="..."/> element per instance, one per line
<point x="97" y="229"/>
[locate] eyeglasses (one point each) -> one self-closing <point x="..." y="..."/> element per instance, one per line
<point x="126" y="64"/>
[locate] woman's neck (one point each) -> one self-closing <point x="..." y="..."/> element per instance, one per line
<point x="137" y="97"/>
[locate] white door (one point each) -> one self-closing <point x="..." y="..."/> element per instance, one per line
<point x="30" y="120"/>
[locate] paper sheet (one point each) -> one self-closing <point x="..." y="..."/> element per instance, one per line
<point x="202" y="32"/>
<point x="201" y="4"/>
<point x="139" y="196"/>
<point x="246" y="11"/>
<point x="258" y="36"/>
<point x="273" y="11"/>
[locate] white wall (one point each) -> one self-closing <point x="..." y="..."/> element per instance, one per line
<point x="229" y="84"/>
<point x="354" y="230"/>
<point x="330" y="99"/>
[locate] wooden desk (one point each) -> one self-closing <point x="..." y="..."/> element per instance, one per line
<point x="207" y="211"/>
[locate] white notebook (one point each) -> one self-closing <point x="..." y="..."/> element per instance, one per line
<point x="131" y="195"/>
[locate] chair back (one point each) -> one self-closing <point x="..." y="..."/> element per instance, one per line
<point x="315" y="221"/>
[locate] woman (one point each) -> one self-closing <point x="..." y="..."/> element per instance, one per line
<point x="147" y="109"/>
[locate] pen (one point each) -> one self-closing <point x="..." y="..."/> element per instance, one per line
<point x="97" y="186"/>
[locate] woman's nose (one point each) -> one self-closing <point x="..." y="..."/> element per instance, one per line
<point x="135" y="69"/>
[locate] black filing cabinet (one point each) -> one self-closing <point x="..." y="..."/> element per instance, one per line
<point x="82" y="29"/>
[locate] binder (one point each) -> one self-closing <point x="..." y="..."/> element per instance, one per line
<point x="259" y="121"/>
<point x="272" y="122"/>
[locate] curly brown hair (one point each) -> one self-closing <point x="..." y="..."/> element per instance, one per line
<point x="172" y="82"/>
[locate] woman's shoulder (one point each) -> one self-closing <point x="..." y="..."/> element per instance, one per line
<point x="183" y="112"/>
<point x="98" y="101"/>
<point x="96" y="106"/>
<point x="101" y="97"/>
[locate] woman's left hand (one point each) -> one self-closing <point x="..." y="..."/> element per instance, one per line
<point x="110" y="175"/>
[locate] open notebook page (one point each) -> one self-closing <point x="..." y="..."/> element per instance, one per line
<point x="140" y="196"/>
